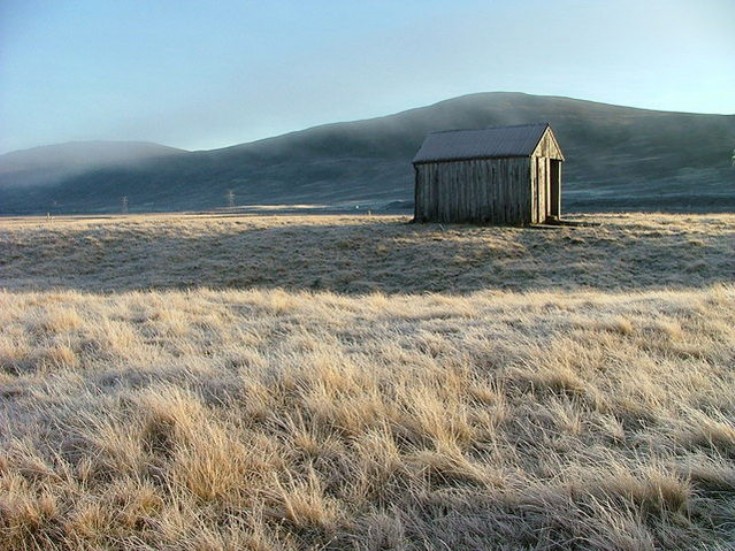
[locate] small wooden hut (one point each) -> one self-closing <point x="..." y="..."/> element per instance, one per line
<point x="508" y="175"/>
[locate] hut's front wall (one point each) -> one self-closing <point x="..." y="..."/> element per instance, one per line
<point x="546" y="180"/>
<point x="547" y="147"/>
<point x="541" y="190"/>
<point x="487" y="191"/>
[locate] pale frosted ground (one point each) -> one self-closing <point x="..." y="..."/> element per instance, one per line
<point x="362" y="254"/>
<point x="362" y="383"/>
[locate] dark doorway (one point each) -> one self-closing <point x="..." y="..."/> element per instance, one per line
<point x="554" y="198"/>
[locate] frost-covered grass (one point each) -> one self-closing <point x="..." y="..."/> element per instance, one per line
<point x="357" y="255"/>
<point x="478" y="398"/>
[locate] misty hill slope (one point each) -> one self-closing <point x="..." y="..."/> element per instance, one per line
<point x="40" y="176"/>
<point x="617" y="158"/>
<point x="21" y="168"/>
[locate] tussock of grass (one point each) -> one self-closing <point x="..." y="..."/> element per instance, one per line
<point x="288" y="418"/>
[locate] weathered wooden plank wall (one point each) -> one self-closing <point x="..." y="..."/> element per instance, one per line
<point x="509" y="190"/>
<point x="546" y="179"/>
<point x="539" y="190"/>
<point x="547" y="147"/>
<point x="489" y="191"/>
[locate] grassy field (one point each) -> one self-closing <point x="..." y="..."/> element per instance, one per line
<point x="205" y="382"/>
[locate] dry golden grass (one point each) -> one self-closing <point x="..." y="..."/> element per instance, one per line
<point x="183" y="383"/>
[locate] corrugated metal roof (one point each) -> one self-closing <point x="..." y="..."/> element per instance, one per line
<point x="500" y="141"/>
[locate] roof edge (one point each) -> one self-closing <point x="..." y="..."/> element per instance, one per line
<point x="550" y="131"/>
<point x="484" y="158"/>
<point x="437" y="145"/>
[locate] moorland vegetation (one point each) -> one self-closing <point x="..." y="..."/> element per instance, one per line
<point x="225" y="382"/>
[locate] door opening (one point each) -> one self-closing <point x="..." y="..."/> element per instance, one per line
<point x="555" y="184"/>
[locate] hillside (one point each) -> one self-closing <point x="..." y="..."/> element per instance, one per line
<point x="356" y="382"/>
<point x="617" y="158"/>
<point x="49" y="165"/>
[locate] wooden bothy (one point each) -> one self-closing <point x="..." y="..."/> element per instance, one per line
<point x="509" y="175"/>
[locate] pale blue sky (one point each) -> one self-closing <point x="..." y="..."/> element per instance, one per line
<point x="200" y="75"/>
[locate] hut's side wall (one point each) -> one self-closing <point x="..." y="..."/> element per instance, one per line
<point x="489" y="191"/>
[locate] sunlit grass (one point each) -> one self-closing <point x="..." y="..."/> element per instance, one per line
<point x="551" y="415"/>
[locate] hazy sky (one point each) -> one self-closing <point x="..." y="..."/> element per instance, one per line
<point x="200" y="75"/>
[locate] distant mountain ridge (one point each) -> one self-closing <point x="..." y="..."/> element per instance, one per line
<point x="617" y="158"/>
<point x="58" y="161"/>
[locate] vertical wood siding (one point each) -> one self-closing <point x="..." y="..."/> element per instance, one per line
<point x="547" y="147"/>
<point x="490" y="191"/>
<point x="506" y="191"/>
<point x="546" y="187"/>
